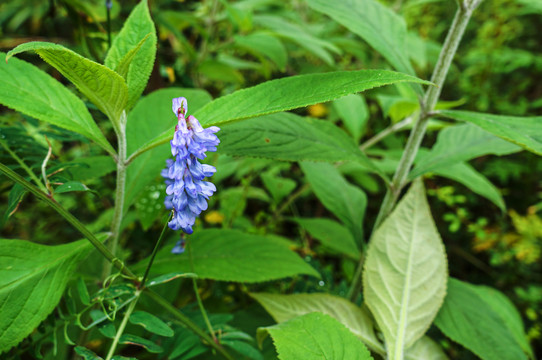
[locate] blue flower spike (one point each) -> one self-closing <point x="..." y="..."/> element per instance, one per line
<point x="187" y="192"/>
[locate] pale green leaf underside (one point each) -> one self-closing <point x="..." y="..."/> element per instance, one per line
<point x="289" y="93"/>
<point x="230" y="255"/>
<point x="405" y="272"/>
<point x="468" y="317"/>
<point x="285" y="307"/>
<point x="25" y="88"/>
<point x="425" y="349"/>
<point x="461" y="143"/>
<point x="344" y="200"/>
<point x="102" y="86"/>
<point x="289" y="137"/>
<point x="137" y="27"/>
<point x="354" y="114"/>
<point x="383" y="29"/>
<point x="523" y="131"/>
<point x="314" y="336"/>
<point x="32" y="280"/>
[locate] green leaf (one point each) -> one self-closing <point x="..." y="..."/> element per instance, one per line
<point x="230" y="255"/>
<point x="124" y="65"/>
<point x="469" y="317"/>
<point x="461" y="143"/>
<point x="14" y="199"/>
<point x="295" y="92"/>
<point x="83" y="291"/>
<point x="102" y="86"/>
<point x="162" y="279"/>
<point x="314" y="336"/>
<point x="265" y="44"/>
<point x="25" y="88"/>
<point x="354" y="113"/>
<point x="523" y="131"/>
<point x="289" y="137"/>
<point x="139" y="341"/>
<point x="331" y="234"/>
<point x="277" y="186"/>
<point x="150" y="117"/>
<point x="92" y="167"/>
<point x="375" y="23"/>
<point x="478" y="183"/>
<point x="285" y="307"/>
<point x="344" y="200"/>
<point x="151" y="323"/>
<point x="404" y="280"/>
<point x="425" y="349"/>
<point x="136" y="29"/>
<point x="86" y="354"/>
<point x="71" y="186"/>
<point x="32" y="280"/>
<point x="242" y="348"/>
<point x="289" y="93"/>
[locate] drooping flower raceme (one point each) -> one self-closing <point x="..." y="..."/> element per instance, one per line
<point x="187" y="192"/>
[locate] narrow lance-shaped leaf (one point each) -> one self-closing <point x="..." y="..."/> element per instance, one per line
<point x="32" y="280"/>
<point x="290" y="93"/>
<point x="383" y="29"/>
<point x="25" y="88"/>
<point x="102" y="86"/>
<point x="136" y="29"/>
<point x="523" y="131"/>
<point x="405" y="275"/>
<point x="314" y="336"/>
<point x="289" y="137"/>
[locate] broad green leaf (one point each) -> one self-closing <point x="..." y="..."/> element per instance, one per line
<point x="289" y="93"/>
<point x="285" y="307"/>
<point x="509" y="315"/>
<point x="354" y="113"/>
<point x="137" y="27"/>
<point x="425" y="349"/>
<point x="139" y="341"/>
<point x="25" y="88"/>
<point x="383" y="29"/>
<point x="277" y="186"/>
<point x="32" y="280"/>
<point x="314" y="336"/>
<point x="523" y="131"/>
<point x="151" y="323"/>
<point x="405" y="275"/>
<point x="478" y="183"/>
<point x="230" y="255"/>
<point x="461" y="143"/>
<point x="264" y="44"/>
<point x="295" y="92"/>
<point x="344" y="200"/>
<point x="92" y="167"/>
<point x="331" y="234"/>
<point x="469" y="317"/>
<point x="124" y="65"/>
<point x="289" y="137"/>
<point x="102" y="86"/>
<point x="152" y="116"/>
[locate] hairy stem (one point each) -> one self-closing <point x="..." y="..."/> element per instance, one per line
<point x="459" y="24"/>
<point x="119" y="192"/>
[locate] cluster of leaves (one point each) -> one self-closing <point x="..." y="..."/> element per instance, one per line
<point x="317" y="201"/>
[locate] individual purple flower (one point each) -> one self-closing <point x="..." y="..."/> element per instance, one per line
<point x="187" y="191"/>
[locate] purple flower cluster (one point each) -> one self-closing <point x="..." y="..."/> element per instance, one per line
<point x="187" y="192"/>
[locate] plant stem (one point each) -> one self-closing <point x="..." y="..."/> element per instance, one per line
<point x="457" y="29"/>
<point x="119" y="192"/>
<point x="23" y="165"/>
<point x="387" y="131"/>
<point x="153" y="255"/>
<point x="196" y="292"/>
<point x="186" y="322"/>
<point x="69" y="217"/>
<point x="122" y="326"/>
